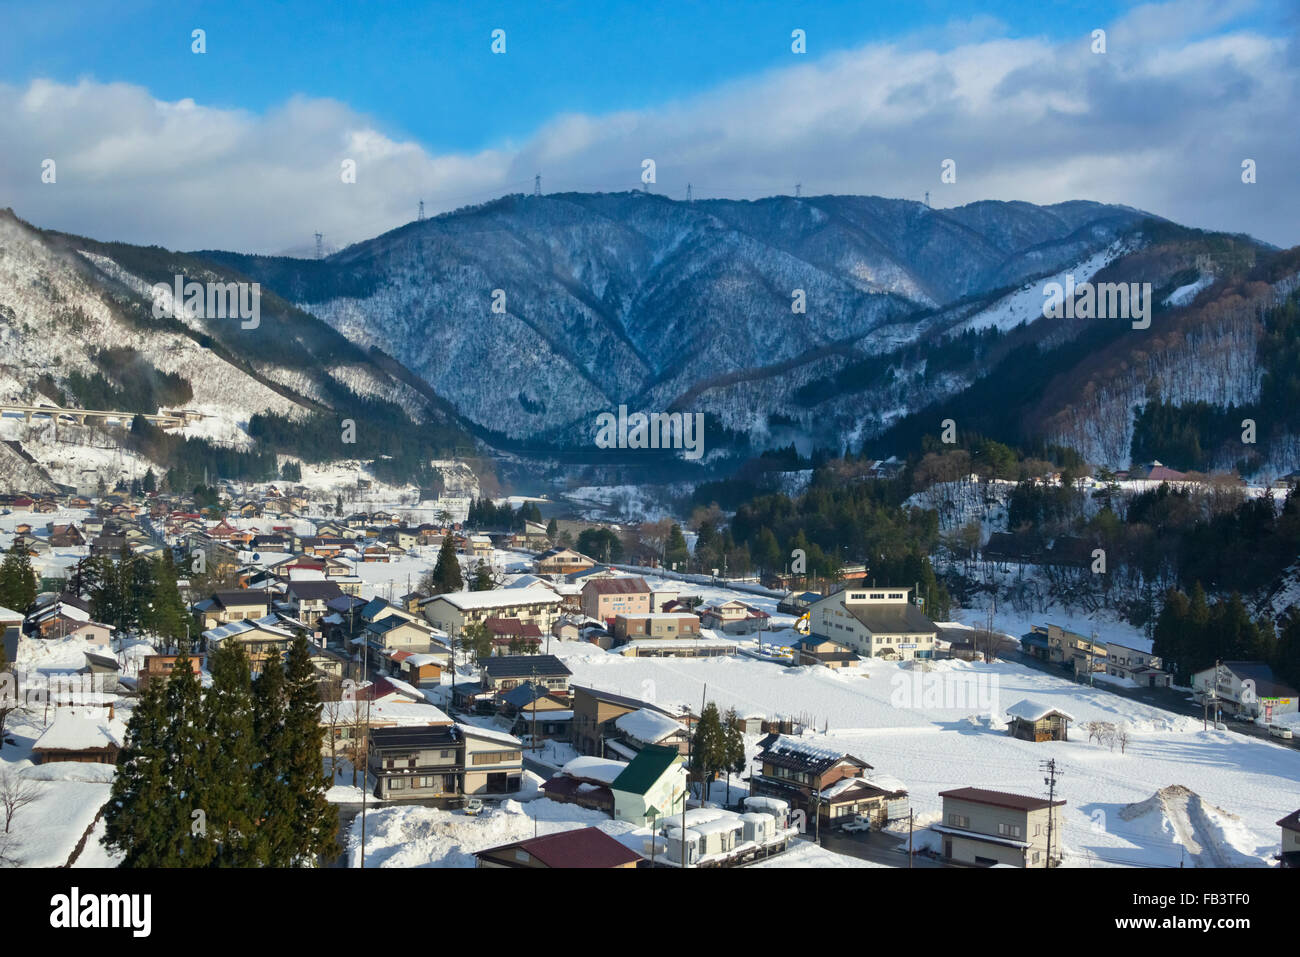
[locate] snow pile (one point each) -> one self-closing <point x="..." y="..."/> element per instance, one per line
<point x="1211" y="836"/>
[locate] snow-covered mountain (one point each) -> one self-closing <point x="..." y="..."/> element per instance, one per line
<point x="634" y="298"/>
<point x="77" y="318"/>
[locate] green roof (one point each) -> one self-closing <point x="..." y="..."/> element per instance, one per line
<point x="645" y="769"/>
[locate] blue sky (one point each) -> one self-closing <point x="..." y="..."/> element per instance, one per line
<point x="241" y="147"/>
<point x="426" y="70"/>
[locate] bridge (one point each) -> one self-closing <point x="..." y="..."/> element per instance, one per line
<point x="164" y="419"/>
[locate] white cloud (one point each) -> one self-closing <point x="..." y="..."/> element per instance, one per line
<point x="1161" y="121"/>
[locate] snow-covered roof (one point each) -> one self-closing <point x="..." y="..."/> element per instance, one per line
<point x="775" y="805"/>
<point x="474" y="731"/>
<point x="478" y="600"/>
<point x="596" y="769"/>
<point x="647" y="726"/>
<point x="1031" y="710"/>
<point x="71" y="732"/>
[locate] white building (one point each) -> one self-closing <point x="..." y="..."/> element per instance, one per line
<point x="875" y="622"/>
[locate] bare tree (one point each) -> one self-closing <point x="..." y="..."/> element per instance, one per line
<point x="16" y="792"/>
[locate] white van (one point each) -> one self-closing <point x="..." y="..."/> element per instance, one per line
<point x="1280" y="731"/>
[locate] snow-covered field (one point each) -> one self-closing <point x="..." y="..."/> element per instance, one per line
<point x="901" y="720"/>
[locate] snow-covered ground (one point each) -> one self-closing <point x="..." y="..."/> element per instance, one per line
<point x="926" y="727"/>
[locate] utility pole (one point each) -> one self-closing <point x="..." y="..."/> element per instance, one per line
<point x="1050" y="781"/>
<point x="910" y="816"/>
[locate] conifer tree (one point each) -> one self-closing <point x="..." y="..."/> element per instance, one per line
<point x="17" y="580"/>
<point x="188" y="743"/>
<point x="314" y="826"/>
<point x="734" y="746"/>
<point x="272" y="840"/>
<point x="709" y="747"/>
<point x="136" y="818"/>
<point x="231" y="760"/>
<point x="446" y="573"/>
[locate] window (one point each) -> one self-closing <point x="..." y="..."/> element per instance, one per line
<point x="958" y="820"/>
<point x="1009" y="830"/>
<point x="396" y="784"/>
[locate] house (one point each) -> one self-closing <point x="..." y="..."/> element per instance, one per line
<point x="493" y="762"/>
<point x="635" y="730"/>
<point x="308" y="599"/>
<point x="454" y="611"/>
<point x="419" y="667"/>
<point x="586" y="847"/>
<point x="815" y="650"/>
<point x="73" y="737"/>
<point x="396" y="632"/>
<point x="1074" y="651"/>
<point x="1244" y="687"/>
<point x="585" y="781"/>
<point x="875" y="623"/>
<point x="651" y="787"/>
<point x="413" y="762"/>
<point x="260" y="638"/>
<point x="538" y="713"/>
<point x="501" y="673"/>
<point x="733" y="618"/>
<point x="230" y="606"/>
<point x="595" y="713"/>
<point x="1033" y="721"/>
<point x="561" y="561"/>
<point x="93" y="632"/>
<point x="605" y="598"/>
<point x="1290" y="839"/>
<point x="479" y="546"/>
<point x="629" y="627"/>
<point x="1136" y="665"/>
<point x="983" y="828"/>
<point x="798" y="772"/>
<point x="159" y="668"/>
<point x="1034" y="643"/>
<point x="510" y="636"/>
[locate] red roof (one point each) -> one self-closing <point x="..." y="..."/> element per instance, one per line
<point x="513" y="627"/>
<point x="583" y="847"/>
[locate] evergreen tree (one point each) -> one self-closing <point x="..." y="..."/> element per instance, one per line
<point x="167" y="616"/>
<point x="709" y="746"/>
<point x="188" y="744"/>
<point x="150" y="483"/>
<point x="482" y="580"/>
<point x="232" y="760"/>
<point x="17" y="580"/>
<point x="137" y="821"/>
<point x="446" y="572"/>
<point x="676" y="554"/>
<point x="734" y="739"/>
<point x="315" y="823"/>
<point x="476" y="639"/>
<point x="552" y="530"/>
<point x="272" y="844"/>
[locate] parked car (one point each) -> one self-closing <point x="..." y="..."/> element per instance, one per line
<point x="1280" y="731"/>
<point x="860" y="823"/>
<point x="1243" y="716"/>
<point x="473" y="806"/>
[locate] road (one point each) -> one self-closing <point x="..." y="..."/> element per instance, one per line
<point x="875" y="847"/>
